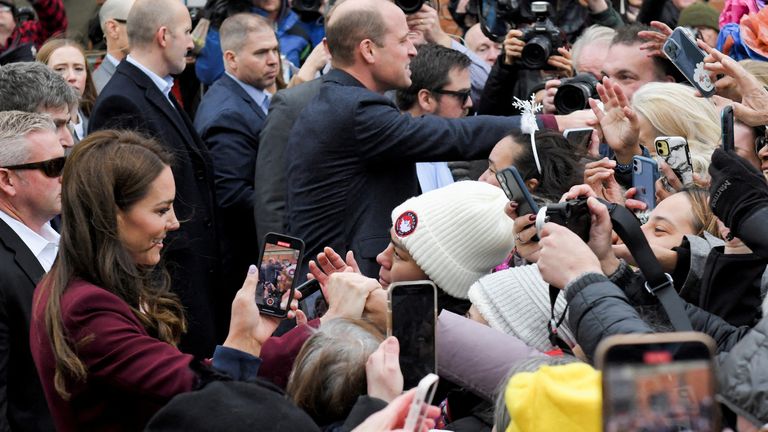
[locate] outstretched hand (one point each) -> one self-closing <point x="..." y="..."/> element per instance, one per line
<point x="329" y="262"/>
<point x="392" y="418"/>
<point x="618" y="122"/>
<point x="655" y="39"/>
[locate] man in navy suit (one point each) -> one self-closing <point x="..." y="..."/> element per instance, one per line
<point x="138" y="97"/>
<point x="229" y="120"/>
<point x="31" y="160"/>
<point x="351" y="156"/>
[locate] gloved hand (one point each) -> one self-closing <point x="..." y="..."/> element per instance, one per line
<point x="737" y="190"/>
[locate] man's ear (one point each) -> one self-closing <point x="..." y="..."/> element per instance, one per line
<point x="367" y="50"/>
<point x="230" y="60"/>
<point x="7" y="183"/>
<point x="161" y="35"/>
<point x="426" y="101"/>
<point x="111" y="28"/>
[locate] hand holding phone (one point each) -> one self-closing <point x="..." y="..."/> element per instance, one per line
<point x="280" y="257"/>
<point x="514" y="187"/>
<point x="645" y="172"/>
<point x="417" y="413"/>
<point x="674" y="151"/>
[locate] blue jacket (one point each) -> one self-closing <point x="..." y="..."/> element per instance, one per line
<point x="209" y="65"/>
<point x="351" y="159"/>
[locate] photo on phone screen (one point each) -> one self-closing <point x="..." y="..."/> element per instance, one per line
<point x="652" y="383"/>
<point x="412" y="320"/>
<point x="313" y="302"/>
<point x="281" y="255"/>
<point x="681" y="49"/>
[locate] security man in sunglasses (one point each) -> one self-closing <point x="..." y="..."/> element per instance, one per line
<point x="31" y="163"/>
<point x="21" y="35"/>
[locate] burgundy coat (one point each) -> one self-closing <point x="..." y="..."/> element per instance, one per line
<point x="131" y="374"/>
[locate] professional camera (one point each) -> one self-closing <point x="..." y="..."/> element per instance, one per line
<point x="409" y="6"/>
<point x="572" y="214"/>
<point x="574" y="93"/>
<point x="542" y="38"/>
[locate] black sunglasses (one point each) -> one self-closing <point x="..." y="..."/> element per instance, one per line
<point x="51" y="167"/>
<point x="120" y="21"/>
<point x="461" y="95"/>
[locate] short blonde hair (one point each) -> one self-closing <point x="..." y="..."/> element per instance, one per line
<point x="674" y="110"/>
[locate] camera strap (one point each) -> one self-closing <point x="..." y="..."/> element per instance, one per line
<point x="658" y="283"/>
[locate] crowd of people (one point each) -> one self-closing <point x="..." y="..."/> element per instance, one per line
<point x="141" y="168"/>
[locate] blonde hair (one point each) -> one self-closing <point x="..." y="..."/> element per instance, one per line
<point x="757" y="68"/>
<point x="674" y="110"/>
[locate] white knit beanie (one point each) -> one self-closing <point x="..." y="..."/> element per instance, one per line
<point x="516" y="301"/>
<point x="456" y="234"/>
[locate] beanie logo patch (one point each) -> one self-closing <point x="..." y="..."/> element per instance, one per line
<point x="406" y="223"/>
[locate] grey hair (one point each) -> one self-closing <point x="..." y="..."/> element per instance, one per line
<point x="145" y="18"/>
<point x="595" y="34"/>
<point x="14" y="128"/>
<point x="33" y="87"/>
<point x="114" y="9"/>
<point x="234" y="30"/>
<point x="329" y="373"/>
<point x="501" y="418"/>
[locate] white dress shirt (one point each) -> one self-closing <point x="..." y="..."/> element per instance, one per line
<point x="44" y="247"/>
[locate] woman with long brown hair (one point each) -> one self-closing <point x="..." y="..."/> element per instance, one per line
<point x="67" y="58"/>
<point x="105" y="321"/>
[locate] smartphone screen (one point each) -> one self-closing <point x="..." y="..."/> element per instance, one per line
<point x="412" y="319"/>
<point x="726" y="123"/>
<point x="661" y="386"/>
<point x="280" y="257"/>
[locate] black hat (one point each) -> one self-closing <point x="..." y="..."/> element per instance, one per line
<point x="232" y="406"/>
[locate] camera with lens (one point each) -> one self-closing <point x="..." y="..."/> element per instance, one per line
<point x="572" y="214"/>
<point x="574" y="93"/>
<point x="409" y="6"/>
<point x="542" y="38"/>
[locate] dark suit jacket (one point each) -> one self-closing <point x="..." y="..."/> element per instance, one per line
<point x="229" y="122"/>
<point x="22" y="402"/>
<point x="269" y="184"/>
<point x="351" y="160"/>
<point x="132" y="101"/>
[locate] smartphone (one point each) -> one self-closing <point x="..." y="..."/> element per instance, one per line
<point x="412" y="318"/>
<point x="681" y="49"/>
<point x="645" y="172"/>
<point x="674" y="151"/>
<point x="580" y="138"/>
<point x="726" y="124"/>
<point x="280" y="257"/>
<point x="659" y="382"/>
<point x="513" y="185"/>
<point x="313" y="302"/>
<point x="417" y="413"/>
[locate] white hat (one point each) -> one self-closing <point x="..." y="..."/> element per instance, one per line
<point x="456" y="234"/>
<point x="516" y="301"/>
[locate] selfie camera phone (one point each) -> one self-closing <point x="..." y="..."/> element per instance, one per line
<point x="645" y="172"/>
<point x="681" y="49"/>
<point x="417" y="413"/>
<point x="579" y="138"/>
<point x="726" y="124"/>
<point x="661" y="381"/>
<point x="280" y="257"/>
<point x="312" y="301"/>
<point x="674" y="151"/>
<point x="513" y="185"/>
<point x="412" y="318"/>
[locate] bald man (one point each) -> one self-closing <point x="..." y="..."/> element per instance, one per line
<point x="351" y="156"/>
<point x="138" y="97"/>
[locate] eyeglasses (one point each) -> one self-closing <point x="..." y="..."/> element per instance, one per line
<point x="462" y="96"/>
<point x="51" y="168"/>
<point x="118" y="20"/>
